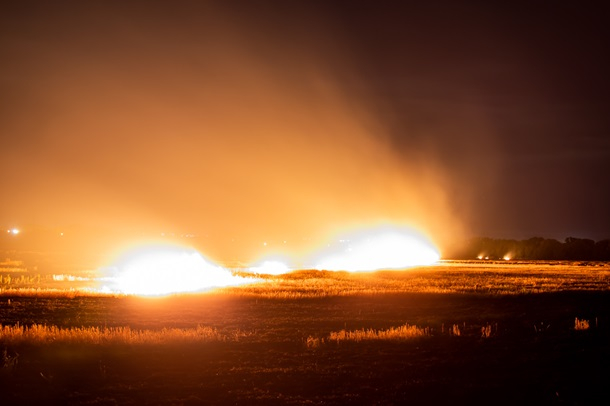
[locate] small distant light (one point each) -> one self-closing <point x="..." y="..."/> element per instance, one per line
<point x="480" y="257"/>
<point x="14" y="231"/>
<point x="61" y="234"/>
<point x="506" y="258"/>
<point x="265" y="244"/>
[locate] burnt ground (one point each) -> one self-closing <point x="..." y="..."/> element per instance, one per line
<point x="533" y="356"/>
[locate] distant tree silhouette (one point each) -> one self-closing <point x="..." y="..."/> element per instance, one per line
<point x="579" y="248"/>
<point x="602" y="250"/>
<point x="535" y="248"/>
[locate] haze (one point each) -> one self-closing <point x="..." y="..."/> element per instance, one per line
<point x="241" y="125"/>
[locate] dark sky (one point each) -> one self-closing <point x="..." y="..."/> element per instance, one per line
<point x="256" y="121"/>
<point x="512" y="102"/>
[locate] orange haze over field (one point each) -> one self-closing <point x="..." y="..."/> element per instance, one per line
<point x="221" y="130"/>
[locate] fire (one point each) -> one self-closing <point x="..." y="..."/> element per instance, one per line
<point x="270" y="267"/>
<point x="155" y="270"/>
<point x="380" y="248"/>
<point x="162" y="269"/>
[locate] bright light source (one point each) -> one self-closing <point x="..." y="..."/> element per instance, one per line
<point x="272" y="267"/>
<point x="13" y="231"/>
<point x="380" y="248"/>
<point x="164" y="269"/>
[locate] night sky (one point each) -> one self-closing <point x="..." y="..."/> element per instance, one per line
<point x="244" y="122"/>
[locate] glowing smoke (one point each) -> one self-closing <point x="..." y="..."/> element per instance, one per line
<point x="212" y="122"/>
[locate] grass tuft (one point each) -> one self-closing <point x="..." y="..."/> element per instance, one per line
<point x="581" y="324"/>
<point x="43" y="334"/>
<point x="486" y="331"/>
<point x="394" y="333"/>
<point x="314" y="342"/>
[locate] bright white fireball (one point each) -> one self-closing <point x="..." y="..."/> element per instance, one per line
<point x="270" y="267"/>
<point x="162" y="270"/>
<point x="380" y="248"/>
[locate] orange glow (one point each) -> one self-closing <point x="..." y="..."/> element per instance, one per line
<point x="237" y="151"/>
<point x="379" y="248"/>
<point x="155" y="270"/>
<point x="270" y="267"/>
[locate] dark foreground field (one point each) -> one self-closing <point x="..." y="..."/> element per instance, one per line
<point x="279" y="351"/>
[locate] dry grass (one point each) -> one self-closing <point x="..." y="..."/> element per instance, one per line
<point x="403" y="332"/>
<point x="314" y="342"/>
<point x="42" y="334"/>
<point x="503" y="278"/>
<point x="581" y="324"/>
<point x="486" y="331"/>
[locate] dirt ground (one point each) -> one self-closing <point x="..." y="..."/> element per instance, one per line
<point x="533" y="354"/>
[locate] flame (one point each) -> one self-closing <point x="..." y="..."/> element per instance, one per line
<point x="270" y="267"/>
<point x="155" y="270"/>
<point x="162" y="269"/>
<point x="380" y="248"/>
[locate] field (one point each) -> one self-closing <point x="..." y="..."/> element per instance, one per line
<point x="455" y="333"/>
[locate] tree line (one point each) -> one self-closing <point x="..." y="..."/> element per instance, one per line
<point x="537" y="248"/>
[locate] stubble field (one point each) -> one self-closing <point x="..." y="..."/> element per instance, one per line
<point x="455" y="333"/>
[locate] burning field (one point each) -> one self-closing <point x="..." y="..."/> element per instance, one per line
<point x="247" y="202"/>
<point x="454" y="332"/>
